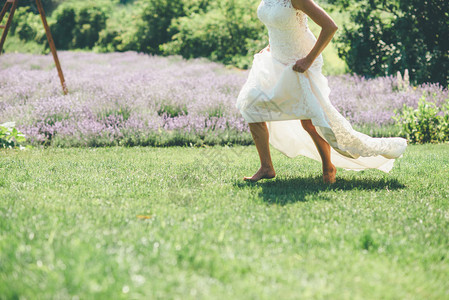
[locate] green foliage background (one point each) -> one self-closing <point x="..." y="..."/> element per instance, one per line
<point x="384" y="37"/>
<point x="224" y="31"/>
<point x="376" y="38"/>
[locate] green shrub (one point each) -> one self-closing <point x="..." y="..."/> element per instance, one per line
<point x="144" y="26"/>
<point x="78" y="25"/>
<point x="91" y="20"/>
<point x="391" y="36"/>
<point x="26" y="25"/>
<point x="62" y="30"/>
<point x="10" y="137"/>
<point x="425" y="124"/>
<point x="49" y="5"/>
<point x="226" y="33"/>
<point x="154" y="19"/>
<point x="120" y="33"/>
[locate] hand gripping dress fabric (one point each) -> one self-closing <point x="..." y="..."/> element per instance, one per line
<point x="276" y="94"/>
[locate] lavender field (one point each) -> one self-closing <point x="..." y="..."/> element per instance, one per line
<point x="135" y="99"/>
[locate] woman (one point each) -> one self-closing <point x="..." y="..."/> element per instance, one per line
<point x="286" y="89"/>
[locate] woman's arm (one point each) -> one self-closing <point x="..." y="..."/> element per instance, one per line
<point x="328" y="29"/>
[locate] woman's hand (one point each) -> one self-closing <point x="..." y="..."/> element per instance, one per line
<point x="302" y="64"/>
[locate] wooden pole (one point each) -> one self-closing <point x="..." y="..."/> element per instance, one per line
<point x="8" y="22"/>
<point x="52" y="45"/>
<point x="4" y="9"/>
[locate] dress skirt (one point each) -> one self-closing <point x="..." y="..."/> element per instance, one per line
<point x="276" y="94"/>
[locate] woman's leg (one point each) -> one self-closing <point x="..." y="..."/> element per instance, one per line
<point x="324" y="149"/>
<point x="259" y="131"/>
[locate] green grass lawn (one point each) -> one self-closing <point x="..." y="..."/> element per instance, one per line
<point x="179" y="223"/>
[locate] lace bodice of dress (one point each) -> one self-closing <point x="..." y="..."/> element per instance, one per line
<point x="289" y="36"/>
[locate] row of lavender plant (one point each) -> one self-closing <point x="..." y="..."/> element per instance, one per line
<point x="136" y="99"/>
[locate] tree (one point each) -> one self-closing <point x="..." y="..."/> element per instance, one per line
<point x="391" y="36"/>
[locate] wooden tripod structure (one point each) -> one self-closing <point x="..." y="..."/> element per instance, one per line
<point x="13" y="4"/>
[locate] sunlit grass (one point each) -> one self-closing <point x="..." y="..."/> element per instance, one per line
<point x="165" y="223"/>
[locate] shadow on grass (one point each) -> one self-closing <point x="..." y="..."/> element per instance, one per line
<point x="282" y="191"/>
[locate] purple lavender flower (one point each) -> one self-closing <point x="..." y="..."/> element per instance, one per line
<point x="123" y="96"/>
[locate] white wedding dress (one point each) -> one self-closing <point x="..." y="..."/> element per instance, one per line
<point x="276" y="94"/>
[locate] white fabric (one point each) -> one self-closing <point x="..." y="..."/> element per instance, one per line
<point x="276" y="94"/>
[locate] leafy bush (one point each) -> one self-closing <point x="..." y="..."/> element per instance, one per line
<point x="49" y="5"/>
<point x="10" y="137"/>
<point x="225" y="33"/>
<point x="78" y="25"/>
<point x="120" y="33"/>
<point x="144" y="26"/>
<point x="154" y="19"/>
<point x="390" y="36"/>
<point x="27" y="26"/>
<point x="424" y="124"/>
<point x="90" y="20"/>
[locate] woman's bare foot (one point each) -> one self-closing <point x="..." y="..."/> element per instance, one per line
<point x="329" y="174"/>
<point x="263" y="173"/>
